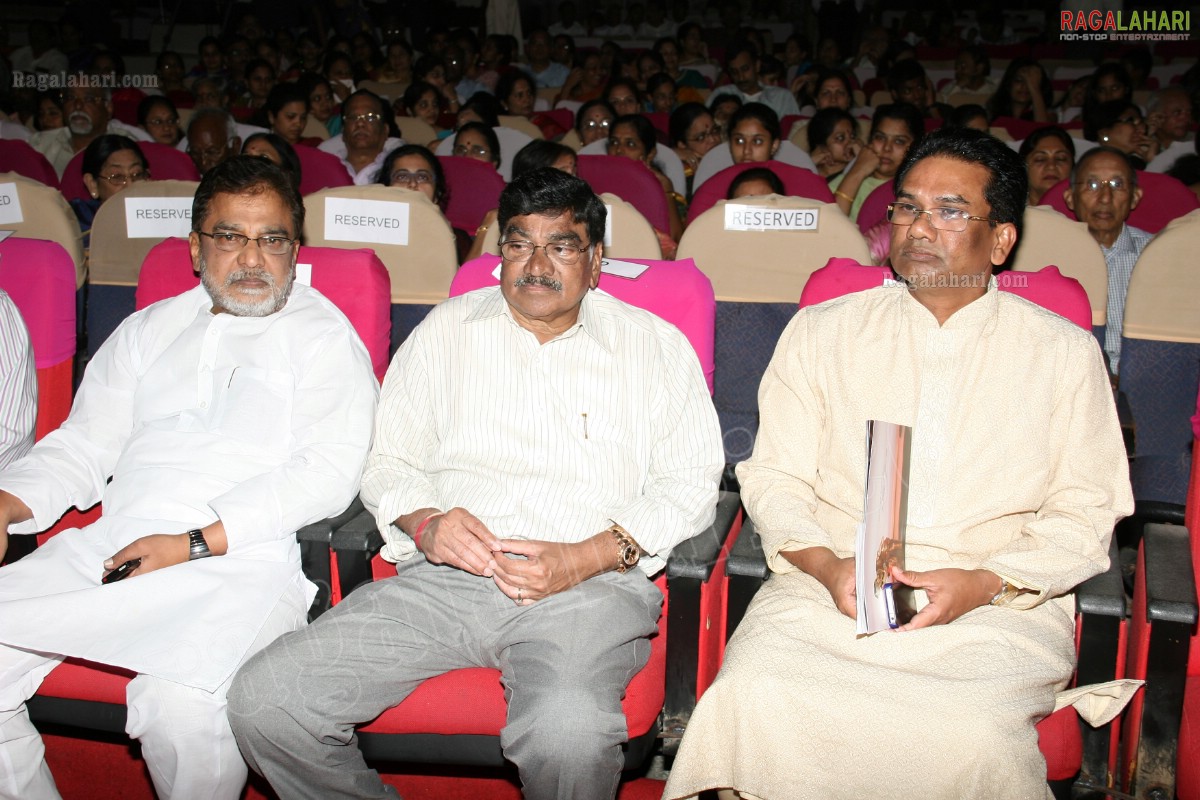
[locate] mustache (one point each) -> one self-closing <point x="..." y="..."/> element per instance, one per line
<point x="538" y="280"/>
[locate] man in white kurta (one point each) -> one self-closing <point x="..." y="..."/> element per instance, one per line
<point x="1018" y="475"/>
<point x="236" y="411"/>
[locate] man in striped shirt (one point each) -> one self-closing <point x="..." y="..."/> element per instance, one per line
<point x="18" y="384"/>
<point x="536" y="441"/>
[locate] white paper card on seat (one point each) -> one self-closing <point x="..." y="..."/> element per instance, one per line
<point x="5" y="234"/>
<point x="764" y="218"/>
<point x="622" y="269"/>
<point x="158" y="217"/>
<point x="10" y="205"/>
<point x="373" y="221"/>
<point x="304" y="274"/>
<point x="607" y="225"/>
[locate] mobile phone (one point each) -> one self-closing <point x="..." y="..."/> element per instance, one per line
<point x="122" y="572"/>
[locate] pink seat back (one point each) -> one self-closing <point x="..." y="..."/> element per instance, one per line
<point x="39" y="276"/>
<point x="1047" y="287"/>
<point x="166" y="163"/>
<point x="1018" y="129"/>
<point x="676" y="291"/>
<point x="1163" y="199"/>
<point x="354" y="280"/>
<point x="473" y="190"/>
<point x="874" y="209"/>
<point x="797" y="182"/>
<point x="563" y="117"/>
<point x="629" y="180"/>
<point x="17" y="156"/>
<point x="320" y="170"/>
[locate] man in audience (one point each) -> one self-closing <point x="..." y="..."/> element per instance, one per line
<point x="227" y="418"/>
<point x="212" y="138"/>
<point x="546" y="73"/>
<point x="1002" y="520"/>
<point x="364" y="142"/>
<point x="1102" y="194"/>
<point x="540" y="450"/>
<point x="742" y="67"/>
<point x="1169" y="115"/>
<point x="18" y="384"/>
<point x="88" y="114"/>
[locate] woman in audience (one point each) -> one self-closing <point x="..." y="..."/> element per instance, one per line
<point x="633" y="137"/>
<point x="693" y="49"/>
<point x="277" y="150"/>
<point x="287" y="112"/>
<point x="321" y="103"/>
<point x="1120" y="124"/>
<point x="516" y="93"/>
<point x="969" y="115"/>
<point x="895" y="128"/>
<point x="622" y="95"/>
<point x="1108" y="83"/>
<point x="724" y="107"/>
<point x="593" y="121"/>
<point x="1024" y="92"/>
<point x="398" y="66"/>
<point x="429" y="69"/>
<point x="49" y="113"/>
<point x="110" y="163"/>
<point x="259" y="80"/>
<point x="586" y="81"/>
<point x="660" y="91"/>
<point x="478" y="141"/>
<point x="157" y="116"/>
<point x="833" y="141"/>
<point x="757" y="182"/>
<point x="423" y="101"/>
<point x="1071" y="105"/>
<point x="971" y="70"/>
<point x="338" y="69"/>
<point x="694" y="132"/>
<point x="414" y="167"/>
<point x="668" y="50"/>
<point x="1049" y="155"/>
<point x="754" y="134"/>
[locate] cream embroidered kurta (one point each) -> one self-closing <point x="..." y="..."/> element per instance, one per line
<point x="1018" y="467"/>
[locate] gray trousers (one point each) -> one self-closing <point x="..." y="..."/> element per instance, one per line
<point x="565" y="663"/>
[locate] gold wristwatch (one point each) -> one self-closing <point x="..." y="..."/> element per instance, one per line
<point x="629" y="553"/>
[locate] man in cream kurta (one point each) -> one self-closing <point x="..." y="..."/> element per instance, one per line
<point x="1018" y="475"/>
<point x="241" y="410"/>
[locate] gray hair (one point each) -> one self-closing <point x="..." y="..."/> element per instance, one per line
<point x="216" y="113"/>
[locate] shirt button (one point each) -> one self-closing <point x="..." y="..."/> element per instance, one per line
<point x="204" y="404"/>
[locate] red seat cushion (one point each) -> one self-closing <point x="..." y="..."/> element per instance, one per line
<point x="76" y="679"/>
<point x="1061" y="744"/>
<point x="1187" y="776"/>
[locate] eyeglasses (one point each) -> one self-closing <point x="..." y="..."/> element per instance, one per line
<point x="711" y="133"/>
<point x="235" y="242"/>
<point x="468" y="150"/>
<point x="943" y="219"/>
<point x="406" y="178"/>
<point x="1118" y="185"/>
<point x="592" y="124"/>
<point x="85" y="99"/>
<point x="564" y="254"/>
<point x="159" y="121"/>
<point x="210" y="153"/>
<point x="370" y="119"/>
<point x="121" y="180"/>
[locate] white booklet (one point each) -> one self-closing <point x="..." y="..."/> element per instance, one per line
<point x="880" y="543"/>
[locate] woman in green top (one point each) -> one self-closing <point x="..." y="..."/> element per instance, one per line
<point x="895" y="128"/>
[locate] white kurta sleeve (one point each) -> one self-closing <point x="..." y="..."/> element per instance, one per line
<point x="332" y="416"/>
<point x="1088" y="492"/>
<point x="778" y="480"/>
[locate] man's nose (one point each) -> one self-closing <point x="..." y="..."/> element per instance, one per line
<point x="922" y="227"/>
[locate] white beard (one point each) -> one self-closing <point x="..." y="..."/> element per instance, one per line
<point x="269" y="300"/>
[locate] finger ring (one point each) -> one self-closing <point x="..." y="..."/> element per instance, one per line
<point x="518" y="597"/>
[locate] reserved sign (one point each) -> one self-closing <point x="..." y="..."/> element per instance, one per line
<point x="158" y="217"/>
<point x="10" y="205"/>
<point x="374" y="221"/>
<point x="765" y="218"/>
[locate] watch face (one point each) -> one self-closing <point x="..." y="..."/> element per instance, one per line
<point x="629" y="555"/>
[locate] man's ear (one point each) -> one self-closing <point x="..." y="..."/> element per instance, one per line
<point x="597" y="260"/>
<point x="1004" y="243"/>
<point x="194" y="248"/>
<point x="1137" y="198"/>
<point x="1069" y="197"/>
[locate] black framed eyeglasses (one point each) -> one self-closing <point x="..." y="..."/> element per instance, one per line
<point x="273" y="245"/>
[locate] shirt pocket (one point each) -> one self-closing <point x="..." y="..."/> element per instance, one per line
<point x="253" y="406"/>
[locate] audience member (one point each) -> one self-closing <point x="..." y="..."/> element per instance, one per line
<point x="622" y="95"/>
<point x="754" y="134"/>
<point x="110" y="163"/>
<point x="895" y="129"/>
<point x="212" y="137"/>
<point x="88" y="115"/>
<point x="212" y="413"/>
<point x="1024" y="92"/>
<point x="49" y="112"/>
<point x="286" y="112"/>
<point x="578" y="612"/>
<point x="278" y="151"/>
<point x="366" y="137"/>
<point x="1049" y="155"/>
<point x="423" y="101"/>
<point x="211" y="64"/>
<point x="833" y="141"/>
<point x="397" y="68"/>
<point x="972" y="71"/>
<point x="1169" y="116"/>
<point x="757" y="182"/>
<point x="660" y="94"/>
<point x="994" y="544"/>
<point x="742" y="65"/>
<point x="722" y="109"/>
<point x="480" y="107"/>
<point x="1102" y="194"/>
<point x="593" y="121"/>
<point x="321" y="103"/>
<point x="158" y="117"/>
<point x="478" y="141"/>
<point x="693" y="132"/>
<point x="632" y="136"/>
<point x="1120" y="124"/>
<point x="968" y="115"/>
<point x="585" y="82"/>
<point x="41" y="55"/>
<point x="548" y="74"/>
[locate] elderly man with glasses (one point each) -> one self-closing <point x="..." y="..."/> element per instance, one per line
<point x="1017" y="475"/>
<point x="88" y="113"/>
<point x="227" y="418"/>
<point x="540" y="449"/>
<point x="366" y="137"/>
<point x="1102" y="193"/>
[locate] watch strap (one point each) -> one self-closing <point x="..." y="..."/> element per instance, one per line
<point x="197" y="547"/>
<point x="628" y="552"/>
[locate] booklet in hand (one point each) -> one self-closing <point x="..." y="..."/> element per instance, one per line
<point x="883" y="604"/>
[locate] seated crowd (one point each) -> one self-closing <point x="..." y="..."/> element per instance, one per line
<point x="537" y="449"/>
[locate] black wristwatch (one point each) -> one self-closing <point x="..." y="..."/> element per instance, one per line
<point x="197" y="547"/>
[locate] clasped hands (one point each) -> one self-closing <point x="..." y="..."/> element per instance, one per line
<point x="538" y="570"/>
<point x="952" y="591"/>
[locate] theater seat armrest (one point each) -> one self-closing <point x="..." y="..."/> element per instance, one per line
<point x="747" y="558"/>
<point x="696" y="557"/>
<point x="1170" y="579"/>
<point x="354" y="544"/>
<point x="1103" y="594"/>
